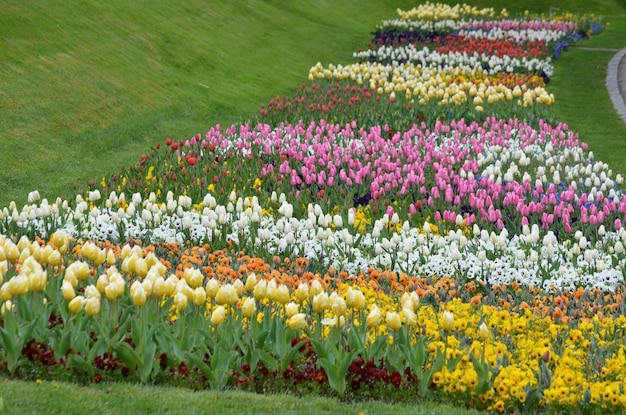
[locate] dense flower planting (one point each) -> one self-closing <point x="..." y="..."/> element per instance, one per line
<point x="365" y="241"/>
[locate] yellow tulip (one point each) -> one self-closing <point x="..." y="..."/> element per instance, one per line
<point x="5" y="293"/>
<point x="297" y="322"/>
<point x="67" y="290"/>
<point x="483" y="332"/>
<point x="218" y="316"/>
<point x="338" y="305"/>
<point x="37" y="281"/>
<point x="291" y="309"/>
<point x="180" y="301"/>
<point x="260" y="290"/>
<point x="77" y="303"/>
<point x="199" y="296"/>
<point x="302" y="292"/>
<point x="393" y="320"/>
<point x="18" y="285"/>
<point x="447" y="321"/>
<point x="249" y="307"/>
<point x="251" y="282"/>
<point x="409" y="316"/>
<point x="7" y="306"/>
<point x="282" y="295"/>
<point x="138" y="295"/>
<point x="92" y="306"/>
<point x="320" y="302"/>
<point x="374" y="317"/>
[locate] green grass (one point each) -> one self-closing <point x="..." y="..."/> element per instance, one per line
<point x="87" y="86"/>
<point x="62" y="398"/>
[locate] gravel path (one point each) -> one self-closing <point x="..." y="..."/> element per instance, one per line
<point x="616" y="82"/>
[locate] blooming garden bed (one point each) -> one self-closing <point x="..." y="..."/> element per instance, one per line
<point x="416" y="222"/>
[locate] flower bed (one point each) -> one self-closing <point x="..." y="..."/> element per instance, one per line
<point x="462" y="256"/>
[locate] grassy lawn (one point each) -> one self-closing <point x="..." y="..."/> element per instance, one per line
<point x="62" y="398"/>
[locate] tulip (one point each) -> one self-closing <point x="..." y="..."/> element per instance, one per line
<point x="374" y="317"/>
<point x="77" y="303"/>
<point x="5" y="293"/>
<point x="291" y="309"/>
<point x="67" y="290"/>
<point x="393" y="320"/>
<point x="338" y="305"/>
<point x="218" y="316"/>
<point x="199" y="296"/>
<point x="281" y="294"/>
<point x="320" y="302"/>
<point x="180" y="301"/>
<point x="37" y="281"/>
<point x="251" y="282"/>
<point x="483" y="332"/>
<point x="138" y="295"/>
<point x="249" y="307"/>
<point x="408" y="316"/>
<point x="6" y="306"/>
<point x="447" y="321"/>
<point x="92" y="306"/>
<point x="212" y="287"/>
<point x="297" y="322"/>
<point x="260" y="290"/>
<point x="18" y="285"/>
<point x="302" y="292"/>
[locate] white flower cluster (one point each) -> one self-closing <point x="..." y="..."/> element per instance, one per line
<point x="517" y="36"/>
<point x="442" y="27"/>
<point x="534" y="258"/>
<point x="425" y="58"/>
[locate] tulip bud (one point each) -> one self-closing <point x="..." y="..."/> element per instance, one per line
<point x="291" y="309"/>
<point x="5" y="293"/>
<point x="67" y="290"/>
<point x="338" y="305"/>
<point x="251" y="282"/>
<point x="320" y="302"/>
<point x="37" y="281"/>
<point x="374" y="317"/>
<point x="393" y="320"/>
<point x="92" y="306"/>
<point x="302" y="292"/>
<point x="138" y="295"/>
<point x="77" y="303"/>
<point x="180" y="301"/>
<point x="199" y="296"/>
<point x="218" y="316"/>
<point x="282" y="294"/>
<point x="6" y="306"/>
<point x="408" y="316"/>
<point x="249" y="307"/>
<point x="483" y="332"/>
<point x="260" y="290"/>
<point x="297" y="322"/>
<point x="447" y="321"/>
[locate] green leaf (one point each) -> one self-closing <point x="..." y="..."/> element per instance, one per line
<point x="80" y="363"/>
<point x="482" y="371"/>
<point x="127" y="354"/>
<point x="199" y="363"/>
<point x="268" y="361"/>
<point x="147" y="362"/>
